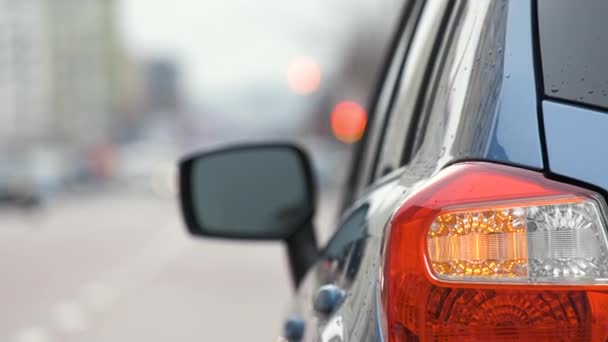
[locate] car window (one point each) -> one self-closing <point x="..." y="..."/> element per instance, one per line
<point x="574" y="47"/>
<point x="335" y="255"/>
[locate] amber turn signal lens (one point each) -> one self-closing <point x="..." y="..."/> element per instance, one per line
<point x="485" y="243"/>
<point x="552" y="240"/>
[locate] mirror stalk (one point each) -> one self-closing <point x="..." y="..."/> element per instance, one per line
<point x="302" y="251"/>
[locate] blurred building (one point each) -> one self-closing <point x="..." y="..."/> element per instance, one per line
<point x="25" y="72"/>
<point x="84" y="61"/>
<point x="59" y="79"/>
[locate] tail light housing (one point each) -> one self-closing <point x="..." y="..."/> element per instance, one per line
<point x="491" y="252"/>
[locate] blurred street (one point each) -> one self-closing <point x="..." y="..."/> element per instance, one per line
<point x="118" y="266"/>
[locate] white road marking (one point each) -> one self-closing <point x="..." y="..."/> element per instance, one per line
<point x="160" y="251"/>
<point x="69" y="317"/>
<point x="98" y="297"/>
<point x="33" y="334"/>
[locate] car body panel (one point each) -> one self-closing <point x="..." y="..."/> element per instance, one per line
<point x="485" y="100"/>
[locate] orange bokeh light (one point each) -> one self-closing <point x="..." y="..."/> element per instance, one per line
<point x="348" y="121"/>
<point x="304" y="75"/>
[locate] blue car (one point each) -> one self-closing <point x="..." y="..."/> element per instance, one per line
<point x="476" y="206"/>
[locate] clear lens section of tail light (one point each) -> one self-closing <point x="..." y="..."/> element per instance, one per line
<point x="557" y="240"/>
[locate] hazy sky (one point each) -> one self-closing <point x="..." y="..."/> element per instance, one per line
<point x="224" y="44"/>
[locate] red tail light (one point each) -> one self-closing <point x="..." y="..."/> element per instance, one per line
<point x="488" y="252"/>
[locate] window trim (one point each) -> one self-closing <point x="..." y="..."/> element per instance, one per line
<point x="418" y="127"/>
<point x="367" y="152"/>
<point x="417" y="72"/>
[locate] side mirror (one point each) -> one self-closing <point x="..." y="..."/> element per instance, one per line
<point x="257" y="192"/>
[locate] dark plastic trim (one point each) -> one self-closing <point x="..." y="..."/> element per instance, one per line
<point x="301" y="243"/>
<point x="540" y="86"/>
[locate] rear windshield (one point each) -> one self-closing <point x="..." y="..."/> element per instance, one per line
<point x="574" y="50"/>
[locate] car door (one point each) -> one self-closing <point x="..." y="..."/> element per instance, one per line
<point x="336" y="293"/>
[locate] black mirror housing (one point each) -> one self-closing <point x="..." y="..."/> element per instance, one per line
<point x="253" y="192"/>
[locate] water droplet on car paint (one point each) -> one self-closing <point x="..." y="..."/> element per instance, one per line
<point x="581" y="97"/>
<point x="582" y="79"/>
<point x="590" y="92"/>
<point x="490" y="52"/>
<point x="507" y="76"/>
<point x="554" y="89"/>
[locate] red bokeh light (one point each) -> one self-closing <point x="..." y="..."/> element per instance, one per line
<point x="348" y="121"/>
<point x="303" y="75"/>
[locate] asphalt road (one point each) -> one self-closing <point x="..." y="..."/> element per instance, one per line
<point x="118" y="266"/>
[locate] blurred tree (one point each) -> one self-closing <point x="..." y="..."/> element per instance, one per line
<point x="359" y="70"/>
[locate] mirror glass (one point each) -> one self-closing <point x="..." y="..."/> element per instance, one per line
<point x="259" y="193"/>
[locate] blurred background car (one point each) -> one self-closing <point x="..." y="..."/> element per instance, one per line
<point x="29" y="178"/>
<point x="15" y="189"/>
